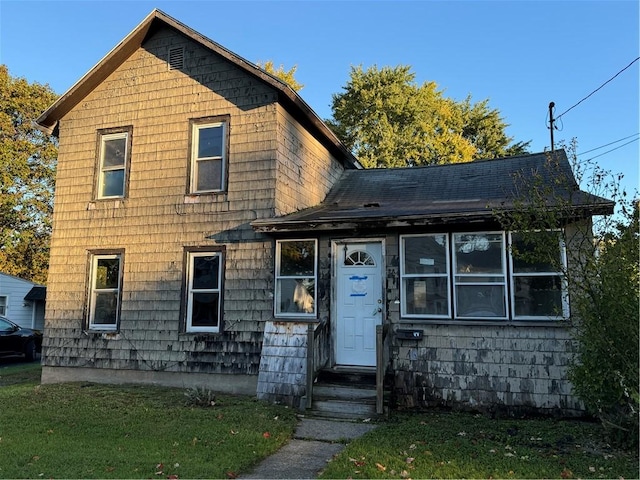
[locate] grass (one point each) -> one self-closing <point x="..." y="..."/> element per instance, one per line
<point x="13" y="374"/>
<point x="462" y="445"/>
<point x="101" y="431"/>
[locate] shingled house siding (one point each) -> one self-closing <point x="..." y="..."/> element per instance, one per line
<point x="306" y="171"/>
<point x="157" y="220"/>
<point x="474" y="366"/>
<point x="480" y="365"/>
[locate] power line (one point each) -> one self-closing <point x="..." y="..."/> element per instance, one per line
<point x="607" y="144"/>
<point x="597" y="88"/>
<point x="609" y="151"/>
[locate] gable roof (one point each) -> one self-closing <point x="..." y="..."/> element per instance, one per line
<point x="288" y="97"/>
<point x="440" y="194"/>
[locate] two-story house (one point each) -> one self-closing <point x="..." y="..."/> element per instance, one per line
<point x="210" y="230"/>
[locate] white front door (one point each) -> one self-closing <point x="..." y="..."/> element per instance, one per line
<point x="359" y="306"/>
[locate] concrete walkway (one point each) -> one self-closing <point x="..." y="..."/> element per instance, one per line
<point x="314" y="443"/>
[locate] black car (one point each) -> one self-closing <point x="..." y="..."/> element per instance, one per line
<point x="17" y="340"/>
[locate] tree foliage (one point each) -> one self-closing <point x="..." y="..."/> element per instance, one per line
<point x="27" y="171"/>
<point x="388" y="120"/>
<point x="287" y="76"/>
<point x="602" y="272"/>
<point x="605" y="374"/>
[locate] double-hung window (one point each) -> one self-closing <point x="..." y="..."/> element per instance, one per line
<point x="425" y="276"/>
<point x="204" y="291"/>
<point x="114" y="158"/>
<point x="296" y="274"/>
<point x="3" y="304"/>
<point x="538" y="290"/>
<point x="480" y="276"/>
<point x="105" y="291"/>
<point x="208" y="165"/>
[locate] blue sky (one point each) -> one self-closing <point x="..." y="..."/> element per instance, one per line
<point x="520" y="55"/>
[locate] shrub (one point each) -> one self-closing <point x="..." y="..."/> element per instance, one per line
<point x="200" y="397"/>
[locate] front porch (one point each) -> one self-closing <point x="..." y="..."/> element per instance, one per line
<point x="296" y="370"/>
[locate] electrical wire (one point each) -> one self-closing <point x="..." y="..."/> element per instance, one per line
<point x="607" y="144"/>
<point x="634" y="61"/>
<point x="609" y="151"/>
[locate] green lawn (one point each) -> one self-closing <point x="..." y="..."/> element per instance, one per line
<point x="102" y="431"/>
<point x="462" y="445"/>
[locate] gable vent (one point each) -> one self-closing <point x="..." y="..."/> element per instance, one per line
<point x="176" y="58"/>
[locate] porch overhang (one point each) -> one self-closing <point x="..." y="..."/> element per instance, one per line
<point x="326" y="219"/>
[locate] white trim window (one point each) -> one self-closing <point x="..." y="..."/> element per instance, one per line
<point x="424" y="272"/>
<point x="538" y="285"/>
<point x="4" y="303"/>
<point x="204" y="282"/>
<point x="114" y="156"/>
<point x="296" y="278"/>
<point x="480" y="275"/>
<point x="474" y="276"/>
<point x="105" y="291"/>
<point x="208" y="156"/>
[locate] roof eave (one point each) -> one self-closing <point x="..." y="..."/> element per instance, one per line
<point x="47" y="122"/>
<point x="280" y="225"/>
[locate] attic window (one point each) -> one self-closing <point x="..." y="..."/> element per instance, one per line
<point x="176" y="58"/>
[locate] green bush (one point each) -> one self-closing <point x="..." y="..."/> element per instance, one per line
<point x="605" y="370"/>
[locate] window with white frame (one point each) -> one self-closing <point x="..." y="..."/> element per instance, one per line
<point x="425" y="276"/>
<point x="538" y="289"/>
<point x="480" y="275"/>
<point x="105" y="291"/>
<point x="4" y="301"/>
<point x="204" y="291"/>
<point x="475" y="276"/>
<point x="296" y="275"/>
<point x="114" y="156"/>
<point x="208" y="155"/>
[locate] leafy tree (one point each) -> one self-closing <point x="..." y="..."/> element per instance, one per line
<point x="602" y="273"/>
<point x="388" y="120"/>
<point x="605" y="373"/>
<point x="286" y="76"/>
<point x="27" y="170"/>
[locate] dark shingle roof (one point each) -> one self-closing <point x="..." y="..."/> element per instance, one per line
<point x="441" y="193"/>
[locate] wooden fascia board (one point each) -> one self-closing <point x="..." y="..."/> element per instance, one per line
<point x="287" y="96"/>
<point x="47" y="122"/>
<point x="265" y="226"/>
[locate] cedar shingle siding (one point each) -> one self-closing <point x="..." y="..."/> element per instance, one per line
<point x="287" y="177"/>
<point x="275" y="166"/>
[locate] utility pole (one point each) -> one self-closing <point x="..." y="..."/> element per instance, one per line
<point x="551" y="125"/>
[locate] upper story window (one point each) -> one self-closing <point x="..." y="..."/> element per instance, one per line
<point x="204" y="291"/>
<point x="113" y="162"/>
<point x="475" y="276"/>
<point x="105" y="291"/>
<point x="208" y="163"/>
<point x="296" y="274"/>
